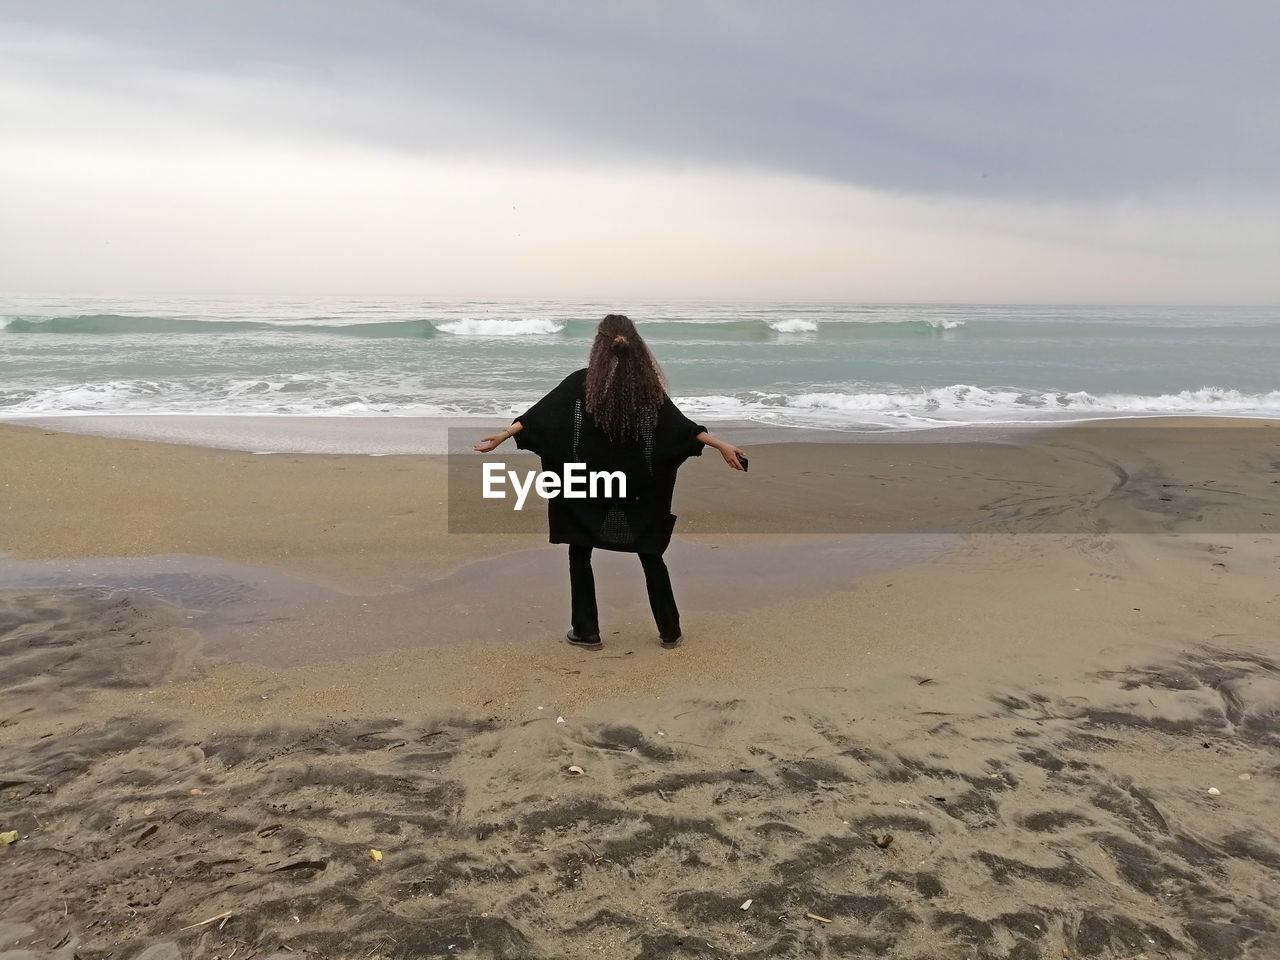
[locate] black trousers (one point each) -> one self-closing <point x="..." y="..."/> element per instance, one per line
<point x="582" y="589"/>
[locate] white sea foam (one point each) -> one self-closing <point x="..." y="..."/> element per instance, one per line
<point x="310" y="396"/>
<point x="793" y="325"/>
<point x="498" y="327"/>
<point x="963" y="403"/>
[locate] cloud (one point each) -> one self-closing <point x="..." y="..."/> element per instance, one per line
<point x="1001" y="99"/>
<point x="923" y="151"/>
<point x="217" y="216"/>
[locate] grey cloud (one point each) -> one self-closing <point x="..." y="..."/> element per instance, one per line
<point x="1006" y="99"/>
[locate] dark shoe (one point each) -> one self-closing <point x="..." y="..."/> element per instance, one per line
<point x="586" y="643"/>
<point x="669" y="643"/>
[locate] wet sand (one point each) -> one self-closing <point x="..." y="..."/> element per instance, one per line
<point x="1019" y="661"/>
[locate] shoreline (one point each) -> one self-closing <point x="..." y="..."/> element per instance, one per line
<point x="386" y="435"/>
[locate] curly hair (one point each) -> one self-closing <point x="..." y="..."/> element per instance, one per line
<point x="625" y="386"/>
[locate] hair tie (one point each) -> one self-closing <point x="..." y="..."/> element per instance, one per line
<point x="619" y="339"/>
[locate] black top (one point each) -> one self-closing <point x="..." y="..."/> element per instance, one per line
<point x="559" y="429"/>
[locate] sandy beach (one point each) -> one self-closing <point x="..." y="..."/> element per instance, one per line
<point x="1012" y="697"/>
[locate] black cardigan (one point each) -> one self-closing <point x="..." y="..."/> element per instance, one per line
<point x="559" y="429"/>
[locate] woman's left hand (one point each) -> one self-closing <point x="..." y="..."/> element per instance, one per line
<point x="491" y="443"/>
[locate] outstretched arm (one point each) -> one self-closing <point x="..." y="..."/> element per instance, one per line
<point x="727" y="450"/>
<point x="492" y="443"/>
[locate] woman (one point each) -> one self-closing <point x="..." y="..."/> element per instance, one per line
<point x="615" y="415"/>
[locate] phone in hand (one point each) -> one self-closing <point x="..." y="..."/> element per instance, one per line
<point x="742" y="459"/>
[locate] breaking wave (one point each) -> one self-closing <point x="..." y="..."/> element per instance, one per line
<point x="754" y="329"/>
<point x="962" y="403"/>
<point x="497" y="327"/>
<point x="391" y="395"/>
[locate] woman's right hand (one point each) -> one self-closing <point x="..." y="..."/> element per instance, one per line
<point x="731" y="454"/>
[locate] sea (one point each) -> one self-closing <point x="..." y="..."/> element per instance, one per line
<point x="831" y="366"/>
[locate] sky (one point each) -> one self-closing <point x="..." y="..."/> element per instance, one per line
<point x="933" y="150"/>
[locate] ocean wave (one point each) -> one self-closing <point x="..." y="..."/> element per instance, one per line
<point x="110" y="323"/>
<point x="296" y="394"/>
<point x="793" y="325"/>
<point x="359" y="394"/>
<point x="391" y="329"/>
<point x="771" y="328"/>
<point x="963" y="403"/>
<point x="740" y="330"/>
<point x="500" y="327"/>
<point x="107" y="324"/>
<point x="777" y="329"/>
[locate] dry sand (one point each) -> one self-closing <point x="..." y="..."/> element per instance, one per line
<point x="1026" y="662"/>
